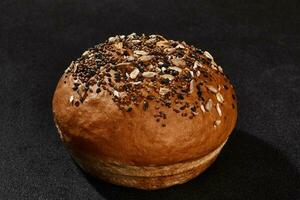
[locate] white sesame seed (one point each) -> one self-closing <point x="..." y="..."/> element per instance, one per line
<point x="71" y="99"/>
<point x="192" y="73"/>
<point x="217" y="123"/>
<point x="116" y="93"/>
<point x="202" y="108"/>
<point x="198" y="73"/>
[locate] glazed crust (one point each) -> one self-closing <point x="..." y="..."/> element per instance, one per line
<point x="99" y="127"/>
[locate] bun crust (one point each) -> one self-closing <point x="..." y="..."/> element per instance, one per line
<point x="147" y="127"/>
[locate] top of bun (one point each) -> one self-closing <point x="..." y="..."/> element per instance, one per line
<point x="146" y="84"/>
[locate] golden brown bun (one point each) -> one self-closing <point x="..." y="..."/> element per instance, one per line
<point x="98" y="127"/>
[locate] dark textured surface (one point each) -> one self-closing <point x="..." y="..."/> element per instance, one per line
<point x="257" y="43"/>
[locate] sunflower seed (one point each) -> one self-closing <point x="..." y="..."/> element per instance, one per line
<point x="112" y="39"/>
<point x="179" y="46"/>
<point x="130" y="58"/>
<point x="202" y="108"/>
<point x="70" y="67"/>
<point x="219" y="109"/>
<point x="136" y="83"/>
<point x="136" y="41"/>
<point x="119" y="45"/>
<point x="220" y="97"/>
<point x="197" y="64"/>
<point x="146" y="58"/>
<point x="167" y="76"/>
<point x="220" y="69"/>
<point x="116" y="93"/>
<point x="214" y="68"/>
<point x="157" y="69"/>
<point x="208" y="55"/>
<point x="149" y="74"/>
<point x="208" y="105"/>
<point x="163" y="43"/>
<point x="176" y="69"/>
<point x="85" y="53"/>
<point x="131" y="36"/>
<point x="163" y="91"/>
<point x="124" y="64"/>
<point x="212" y="88"/>
<point x="134" y="73"/>
<point x="150" y="41"/>
<point x="178" y="62"/>
<point x="170" y="50"/>
<point x="140" y="52"/>
<point x="192" y="83"/>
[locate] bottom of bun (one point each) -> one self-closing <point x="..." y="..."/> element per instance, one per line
<point x="146" y="177"/>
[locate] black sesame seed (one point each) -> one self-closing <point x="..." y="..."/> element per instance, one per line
<point x="164" y="65"/>
<point x="182" y="107"/>
<point x="77" y="103"/>
<point x="233" y="106"/>
<point x="193" y="109"/>
<point x="98" y="90"/>
<point x="199" y="93"/>
<point x="129" y="109"/>
<point x="174" y="73"/>
<point x="180" y="96"/>
<point x="163" y="125"/>
<point x="233" y="96"/>
<point x="145" y="105"/>
<point x="175" y="110"/>
<point x="150" y="97"/>
<point x="199" y="51"/>
<point x="165" y="81"/>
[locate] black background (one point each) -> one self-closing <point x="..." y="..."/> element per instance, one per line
<point x="257" y="43"/>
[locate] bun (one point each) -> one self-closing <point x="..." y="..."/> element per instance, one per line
<point x="144" y="111"/>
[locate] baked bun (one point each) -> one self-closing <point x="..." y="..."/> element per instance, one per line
<point x="144" y="111"/>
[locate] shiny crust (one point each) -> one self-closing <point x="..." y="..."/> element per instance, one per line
<point x="100" y="130"/>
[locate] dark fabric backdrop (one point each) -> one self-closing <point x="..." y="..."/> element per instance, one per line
<point x="256" y="42"/>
